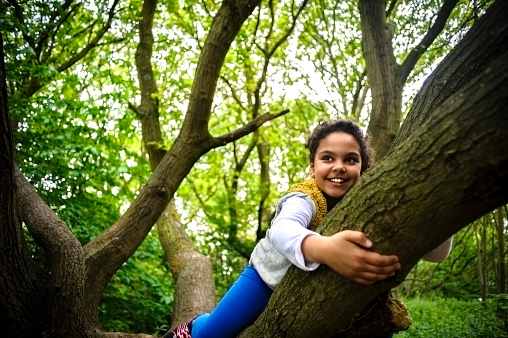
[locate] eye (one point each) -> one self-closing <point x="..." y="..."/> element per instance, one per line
<point x="327" y="158"/>
<point x="352" y="159"/>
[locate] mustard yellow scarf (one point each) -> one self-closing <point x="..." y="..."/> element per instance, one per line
<point x="311" y="189"/>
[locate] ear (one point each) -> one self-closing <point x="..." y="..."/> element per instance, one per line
<point x="311" y="171"/>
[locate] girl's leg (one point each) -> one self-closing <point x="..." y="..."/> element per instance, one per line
<point x="239" y="308"/>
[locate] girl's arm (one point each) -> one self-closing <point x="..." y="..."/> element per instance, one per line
<point x="290" y="227"/>
<point x="441" y="252"/>
<point x="348" y="253"/>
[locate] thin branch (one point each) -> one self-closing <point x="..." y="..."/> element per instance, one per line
<point x="268" y="56"/>
<point x="233" y="92"/>
<point x="21" y="19"/>
<point x="93" y="43"/>
<point x="246" y="129"/>
<point x="432" y="33"/>
<point x="45" y="33"/>
<point x="55" y="31"/>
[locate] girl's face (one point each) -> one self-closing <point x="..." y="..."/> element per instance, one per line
<point x="336" y="166"/>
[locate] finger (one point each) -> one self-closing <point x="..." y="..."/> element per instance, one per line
<point x="379" y="271"/>
<point x="371" y="278"/>
<point x="375" y="259"/>
<point x="358" y="238"/>
<point x="363" y="281"/>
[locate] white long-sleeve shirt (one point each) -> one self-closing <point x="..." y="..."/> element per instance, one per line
<point x="282" y="245"/>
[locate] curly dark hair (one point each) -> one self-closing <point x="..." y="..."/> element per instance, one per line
<point x="325" y="128"/>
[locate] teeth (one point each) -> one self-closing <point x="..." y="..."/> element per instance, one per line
<point x="337" y="180"/>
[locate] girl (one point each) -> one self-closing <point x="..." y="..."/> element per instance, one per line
<point x="339" y="153"/>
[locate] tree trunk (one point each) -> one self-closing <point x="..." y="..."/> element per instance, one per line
<point x="22" y="307"/>
<point x="382" y="71"/>
<point x="482" y="264"/>
<point x="501" y="270"/>
<point x="386" y="77"/>
<point x="191" y="270"/>
<point x="419" y="195"/>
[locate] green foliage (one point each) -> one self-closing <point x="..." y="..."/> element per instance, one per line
<point x="457" y="276"/>
<point x="448" y="317"/>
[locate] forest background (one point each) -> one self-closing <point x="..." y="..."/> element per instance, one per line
<point x="97" y="95"/>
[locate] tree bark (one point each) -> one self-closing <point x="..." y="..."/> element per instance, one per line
<point x="382" y="72"/>
<point x="191" y="270"/>
<point x="22" y="305"/>
<point x="429" y="187"/>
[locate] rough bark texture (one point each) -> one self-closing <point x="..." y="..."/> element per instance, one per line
<point x="63" y="308"/>
<point x="23" y="302"/>
<point x="426" y="190"/>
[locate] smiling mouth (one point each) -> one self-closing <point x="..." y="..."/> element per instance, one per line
<point x="337" y="180"/>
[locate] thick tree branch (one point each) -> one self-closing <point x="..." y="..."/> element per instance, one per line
<point x="148" y="111"/>
<point x="107" y="252"/>
<point x="65" y="255"/>
<point x="382" y="70"/>
<point x="225" y="27"/>
<point x="412" y="216"/>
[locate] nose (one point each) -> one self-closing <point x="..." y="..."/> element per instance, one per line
<point x="339" y="166"/>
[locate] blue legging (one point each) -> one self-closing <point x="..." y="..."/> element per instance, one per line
<point x="239" y="308"/>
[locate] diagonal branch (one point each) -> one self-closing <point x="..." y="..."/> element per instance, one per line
<point x="246" y="129"/>
<point x="45" y="34"/>
<point x="412" y="206"/>
<point x="432" y="33"/>
<point x="232" y="15"/>
<point x="21" y="19"/>
<point x="64" y="252"/>
<point x="53" y="36"/>
<point x="93" y="43"/>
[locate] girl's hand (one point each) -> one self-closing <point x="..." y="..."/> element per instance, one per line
<point x="348" y="253"/>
